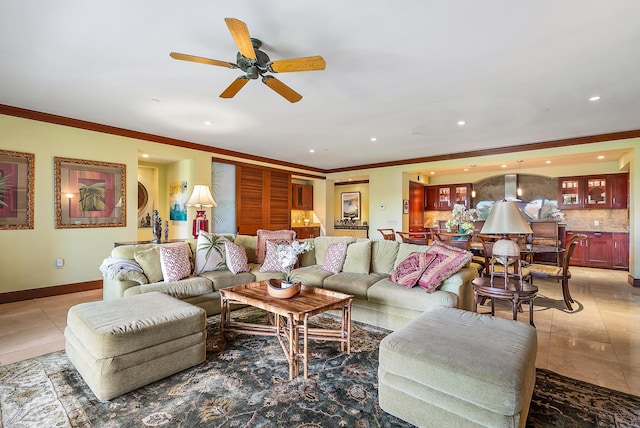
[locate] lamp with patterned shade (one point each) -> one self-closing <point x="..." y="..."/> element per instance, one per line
<point x="200" y="198"/>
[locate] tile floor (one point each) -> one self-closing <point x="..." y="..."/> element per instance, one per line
<point x="599" y="342"/>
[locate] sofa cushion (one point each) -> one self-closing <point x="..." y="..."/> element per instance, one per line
<point x="175" y="262"/>
<point x="310" y="275"/>
<point x="448" y="261"/>
<point x="358" y="258"/>
<point x="321" y="243"/>
<point x="235" y="258"/>
<point x="351" y="283"/>
<point x="187" y="287"/>
<point x="210" y="252"/>
<point x="334" y="257"/>
<point x="410" y="269"/>
<point x="257" y="272"/>
<point x="385" y="292"/>
<point x="264" y="235"/>
<point x="149" y="261"/>
<point x="250" y="244"/>
<point x="225" y="278"/>
<point x="405" y="249"/>
<point x="383" y="255"/>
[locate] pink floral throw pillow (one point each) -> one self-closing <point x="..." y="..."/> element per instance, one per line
<point x="236" y="257"/>
<point x="264" y="235"/>
<point x="334" y="257"/>
<point x="448" y="261"/>
<point x="410" y="269"/>
<point x="271" y="263"/>
<point x="174" y="262"/>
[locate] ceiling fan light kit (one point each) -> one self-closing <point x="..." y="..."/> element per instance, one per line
<point x="256" y="63"/>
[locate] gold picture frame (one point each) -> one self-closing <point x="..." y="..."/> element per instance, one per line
<point x="16" y="190"/>
<point x="89" y="193"/>
<point x="350" y="205"/>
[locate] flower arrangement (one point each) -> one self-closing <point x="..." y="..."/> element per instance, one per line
<point x="462" y="217"/>
<point x="288" y="256"/>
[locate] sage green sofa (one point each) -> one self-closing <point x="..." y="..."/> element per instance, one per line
<point x="365" y="273"/>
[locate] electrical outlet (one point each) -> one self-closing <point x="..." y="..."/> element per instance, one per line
<point x="59" y="263"/>
<point x="596" y="223"/>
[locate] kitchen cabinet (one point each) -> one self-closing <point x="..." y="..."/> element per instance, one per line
<point x="593" y="191"/>
<point x="302" y="196"/>
<point x="620" y="253"/>
<point x="607" y="250"/>
<point x="306" y="232"/>
<point x="444" y="197"/>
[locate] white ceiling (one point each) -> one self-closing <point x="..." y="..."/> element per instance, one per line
<point x="405" y="73"/>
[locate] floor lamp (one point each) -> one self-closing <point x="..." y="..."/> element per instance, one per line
<point x="200" y="198"/>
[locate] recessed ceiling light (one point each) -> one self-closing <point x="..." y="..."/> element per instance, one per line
<point x="208" y="122"/>
<point x="547" y="162"/>
<point x="466" y="169"/>
<point x="601" y="157"/>
<point x="432" y="172"/>
<point x="312" y="151"/>
<point x="144" y="155"/>
<point x="374" y="139"/>
<point x="504" y="166"/>
<point x="595" y="98"/>
<point x="462" y="123"/>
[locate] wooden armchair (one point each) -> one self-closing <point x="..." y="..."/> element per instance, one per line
<point x="419" y="238"/>
<point x="561" y="273"/>
<point x="459" y="240"/>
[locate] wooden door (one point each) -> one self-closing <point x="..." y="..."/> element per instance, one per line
<point x="416" y="205"/>
<point x="263" y="198"/>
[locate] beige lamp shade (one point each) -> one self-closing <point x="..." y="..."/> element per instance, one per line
<point x="201" y="197"/>
<point x="506" y="218"/>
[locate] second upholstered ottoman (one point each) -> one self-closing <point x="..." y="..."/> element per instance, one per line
<point x="451" y="367"/>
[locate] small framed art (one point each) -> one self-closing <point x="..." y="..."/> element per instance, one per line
<point x="16" y="190"/>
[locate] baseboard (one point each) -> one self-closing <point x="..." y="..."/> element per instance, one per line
<point x="635" y="282"/>
<point x="16" y="296"/>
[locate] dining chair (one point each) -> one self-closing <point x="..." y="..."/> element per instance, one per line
<point x="418" y="238"/>
<point x="462" y="241"/>
<point x="388" y="234"/>
<point x="562" y="272"/>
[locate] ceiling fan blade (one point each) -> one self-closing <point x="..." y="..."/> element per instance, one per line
<point x="309" y="63"/>
<point x="201" y="60"/>
<point x="240" y="34"/>
<point x="282" y="89"/>
<point x="234" y="87"/>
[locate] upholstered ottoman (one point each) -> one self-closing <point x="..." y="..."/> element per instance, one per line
<point x="121" y="345"/>
<point x="454" y="368"/>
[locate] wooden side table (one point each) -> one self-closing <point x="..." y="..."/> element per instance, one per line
<point x="514" y="291"/>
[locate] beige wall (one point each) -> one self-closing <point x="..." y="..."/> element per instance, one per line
<point x="28" y="256"/>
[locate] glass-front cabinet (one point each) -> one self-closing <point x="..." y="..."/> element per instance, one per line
<point x="593" y="191"/>
<point x="443" y="197"/>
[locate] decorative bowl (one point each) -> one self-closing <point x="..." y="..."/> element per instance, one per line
<point x="276" y="289"/>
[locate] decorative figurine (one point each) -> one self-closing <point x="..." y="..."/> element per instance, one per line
<point x="156" y="224"/>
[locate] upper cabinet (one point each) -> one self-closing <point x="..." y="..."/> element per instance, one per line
<point x="302" y="196"/>
<point x="444" y="197"/>
<point x="601" y="191"/>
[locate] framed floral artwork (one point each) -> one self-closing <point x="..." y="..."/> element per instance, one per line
<point x="89" y="193"/>
<point x="16" y="190"/>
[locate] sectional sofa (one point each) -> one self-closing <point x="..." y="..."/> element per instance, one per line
<point x="365" y="274"/>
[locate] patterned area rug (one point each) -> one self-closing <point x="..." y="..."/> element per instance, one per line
<point x="245" y="383"/>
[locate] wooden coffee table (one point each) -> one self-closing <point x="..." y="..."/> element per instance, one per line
<point x="290" y="318"/>
<point x="513" y="292"/>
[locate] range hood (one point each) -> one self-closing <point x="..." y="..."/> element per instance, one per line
<point x="511" y="187"/>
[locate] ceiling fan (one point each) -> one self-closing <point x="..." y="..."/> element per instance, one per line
<point x="255" y="63"/>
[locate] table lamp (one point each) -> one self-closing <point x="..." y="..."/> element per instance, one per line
<point x="201" y="197"/>
<point x="505" y="219"/>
